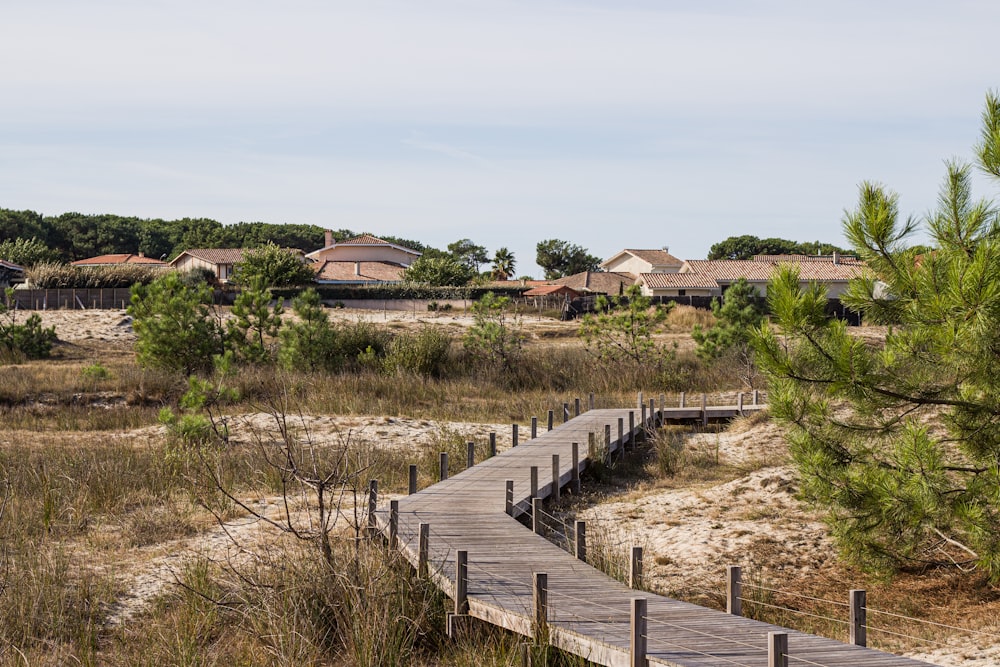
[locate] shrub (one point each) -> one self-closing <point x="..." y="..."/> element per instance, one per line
<point x="424" y="353"/>
<point x="24" y="341"/>
<point x="64" y="276"/>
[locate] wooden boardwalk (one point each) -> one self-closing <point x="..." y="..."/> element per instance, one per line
<point x="588" y="613"/>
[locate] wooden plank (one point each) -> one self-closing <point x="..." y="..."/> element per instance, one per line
<point x="588" y="612"/>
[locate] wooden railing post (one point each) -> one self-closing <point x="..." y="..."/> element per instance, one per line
<point x="590" y="401"/>
<point x="565" y="412"/>
<point x="652" y="417"/>
<point x="756" y="397"/>
<point x="576" y="407"/>
<point x="683" y="401"/>
<point x="556" y="491"/>
<point x="734" y="590"/>
<point x="642" y="423"/>
<point x="580" y="528"/>
<point x="393" y="523"/>
<point x="621" y="431"/>
<point x="443" y="466"/>
<point x="540" y="599"/>
<point x="607" y="439"/>
<point x="534" y="427"/>
<point x="574" y="474"/>
<point x="536" y="515"/>
<point x="513" y="435"/>
<point x="704" y="410"/>
<point x="470" y="454"/>
<point x="372" y="505"/>
<point x="533" y="473"/>
<point x="777" y="649"/>
<point x="739" y="403"/>
<point x="663" y="406"/>
<point x="509" y="497"/>
<point x="859" y="618"/>
<point x="551" y="419"/>
<point x="637" y="633"/>
<point x="461" y="582"/>
<point x="423" y="548"/>
<point x="631" y="428"/>
<point x="635" y="569"/>
<point x="493" y="444"/>
<point x="411" y="486"/>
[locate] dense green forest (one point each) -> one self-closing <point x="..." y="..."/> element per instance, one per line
<point x="73" y="236"/>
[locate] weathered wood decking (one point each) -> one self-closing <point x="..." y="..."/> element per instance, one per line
<point x="588" y="612"/>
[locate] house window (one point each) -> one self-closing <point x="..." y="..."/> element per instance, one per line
<point x="682" y="292"/>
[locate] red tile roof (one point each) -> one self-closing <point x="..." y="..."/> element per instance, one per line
<point x="682" y="280"/>
<point x="604" y="282"/>
<point x="214" y="255"/>
<point x="369" y="271"/>
<point x="544" y="290"/>
<point x="843" y="259"/>
<point x="656" y="257"/>
<point x="761" y="271"/>
<point x="123" y="258"/>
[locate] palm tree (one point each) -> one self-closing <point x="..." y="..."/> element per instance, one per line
<point x="503" y="264"/>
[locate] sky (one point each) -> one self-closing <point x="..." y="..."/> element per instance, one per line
<point x="609" y="124"/>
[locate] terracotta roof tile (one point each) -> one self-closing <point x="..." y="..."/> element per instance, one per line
<point x="363" y="239"/>
<point x="656" y="257"/>
<point x="543" y="290"/>
<point x="369" y="272"/>
<point x="214" y="255"/>
<point x="604" y="282"/>
<point x="663" y="280"/>
<point x="122" y="258"/>
<point x="761" y="271"/>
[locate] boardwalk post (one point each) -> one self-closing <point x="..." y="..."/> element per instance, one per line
<point x="631" y="428"/>
<point x="372" y="505"/>
<point x="513" y="435"/>
<point x="536" y="516"/>
<point x="534" y="427"/>
<point x="443" y="466"/>
<point x="734" y="590"/>
<point x="533" y="471"/>
<point x="683" y="402"/>
<point x="590" y="401"/>
<point x="552" y="416"/>
<point x="859" y="618"/>
<point x="461" y="582"/>
<point x="739" y="403"/>
<point x="576" y="407"/>
<point x="423" y="548"/>
<point x="607" y="440"/>
<point x="635" y="569"/>
<point x="393" y="523"/>
<point x="493" y="444"/>
<point x="580" y="528"/>
<point x="412" y="485"/>
<point x="637" y="634"/>
<point x="565" y="412"/>
<point x="621" y="430"/>
<point x="756" y="396"/>
<point x="509" y="497"/>
<point x="574" y="473"/>
<point x="652" y="416"/>
<point x="556" y="491"/>
<point x="541" y="603"/>
<point x="704" y="410"/>
<point x="663" y="406"/>
<point x="777" y="649"/>
<point x="470" y="454"/>
<point x="642" y="423"/>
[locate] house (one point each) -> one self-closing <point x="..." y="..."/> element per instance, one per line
<point x="121" y="259"/>
<point x="364" y="248"/>
<point x="550" y="291"/>
<point x="637" y="262"/>
<point x="361" y="260"/>
<point x="10" y="274"/>
<point x="597" y="282"/>
<point x="219" y="261"/>
<point x="705" y="277"/>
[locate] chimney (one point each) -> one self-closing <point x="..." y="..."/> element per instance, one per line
<point x="329" y="239"/>
<point x="357" y="268"/>
<point x="142" y="254"/>
<point x="836" y="257"/>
